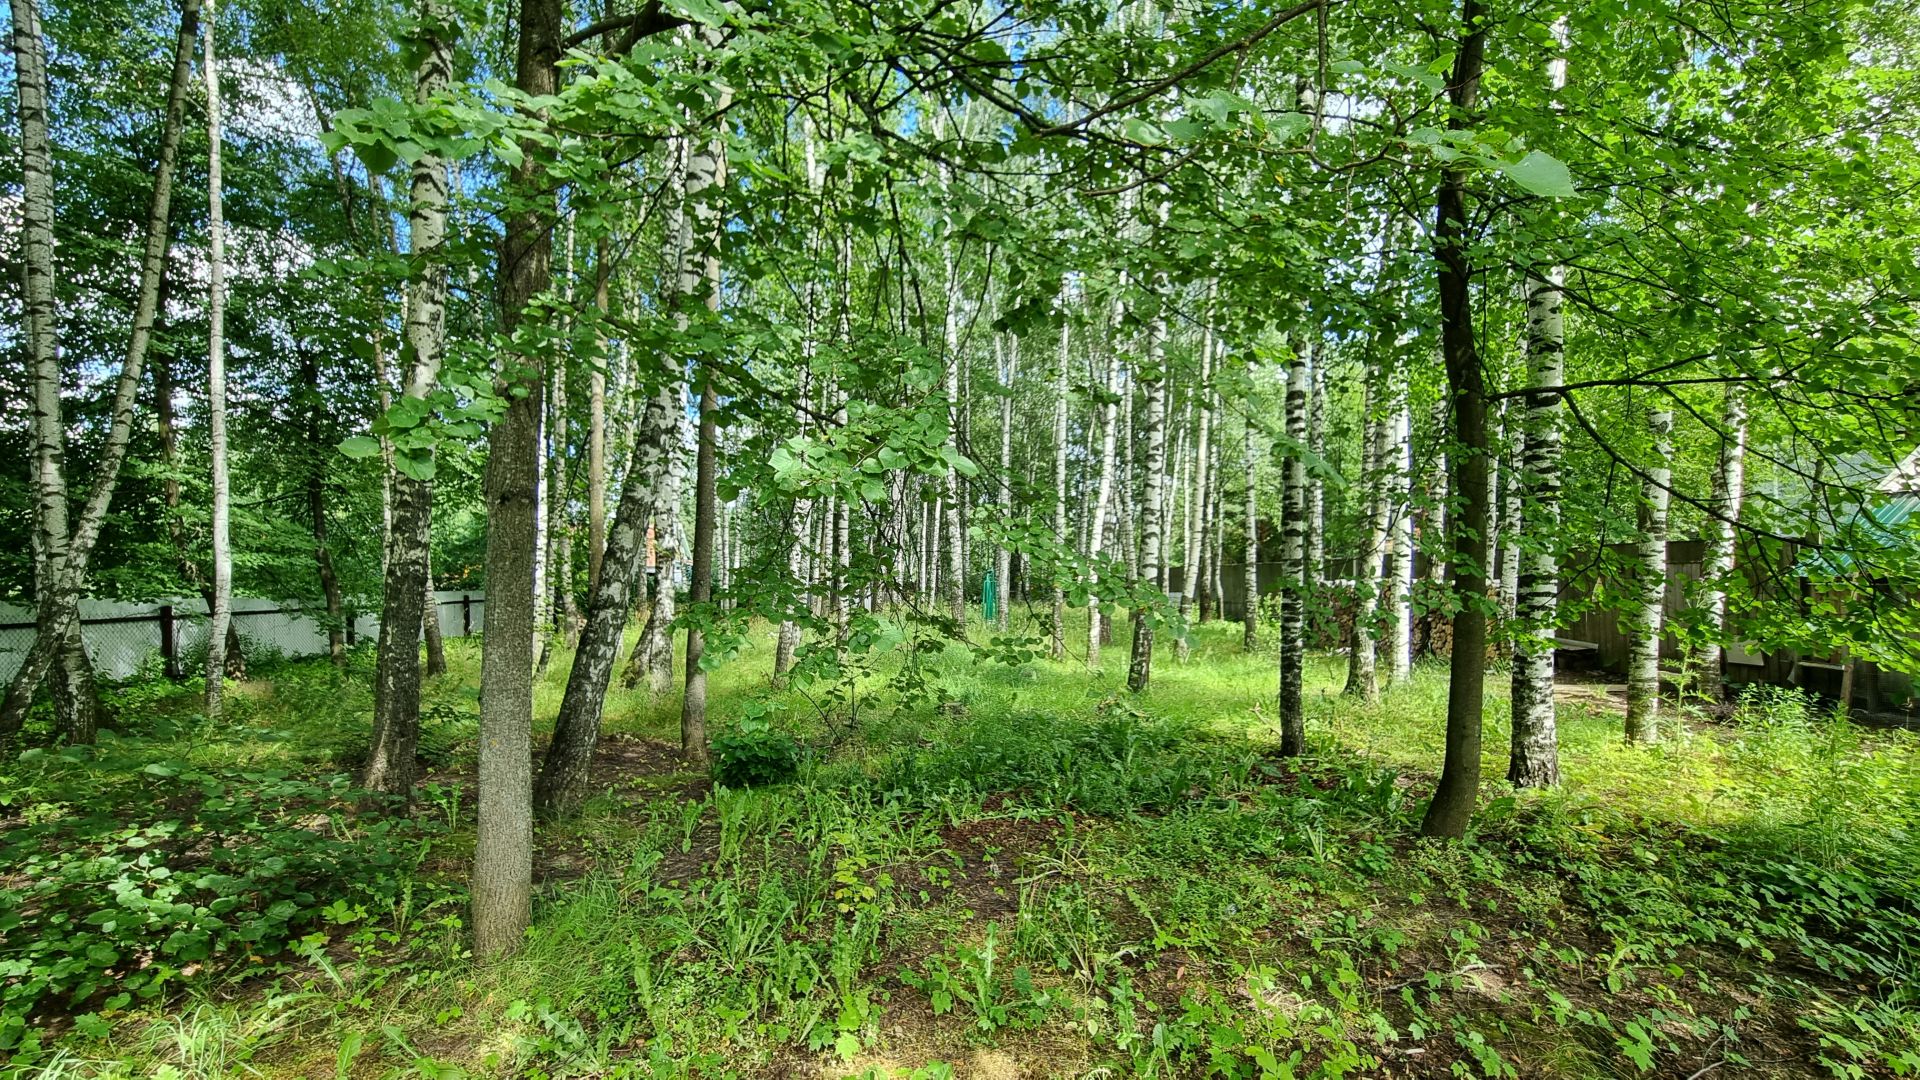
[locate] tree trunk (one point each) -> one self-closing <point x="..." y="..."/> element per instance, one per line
<point x="559" y="528"/>
<point x="222" y="613"/>
<point x="576" y="730"/>
<point x="1193" y="545"/>
<point x="1647" y="617"/>
<point x="1401" y="586"/>
<point x="57" y="603"/>
<point x="1293" y="582"/>
<point x="597" y="427"/>
<point x="1316" y="500"/>
<point x="1535" y="757"/>
<point x="1153" y="499"/>
<point x="1729" y="491"/>
<point x="956" y="569"/>
<point x="318" y="453"/>
<point x="1097" y="530"/>
<point x="1061" y="384"/>
<point x="1511" y="512"/>
<point x="652" y="657"/>
<point x="430" y="626"/>
<point x="1250" y="587"/>
<point x="1363" y="679"/>
<point x="503" y="848"/>
<point x="74" y="701"/>
<point x="407" y="586"/>
<point x="1002" y="562"/>
<point x="706" y="176"/>
<point x="1459" y="790"/>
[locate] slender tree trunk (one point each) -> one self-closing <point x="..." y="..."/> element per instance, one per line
<point x="597" y="427"/>
<point x="1401" y="587"/>
<point x="1647" y="618"/>
<point x="1729" y="491"/>
<point x="559" y="528"/>
<point x="1061" y="384"/>
<point x="1459" y="790"/>
<point x="430" y="626"/>
<point x="1097" y="530"/>
<point x="407" y="585"/>
<point x="1293" y="582"/>
<point x="1316" y="500"/>
<point x="1513" y="508"/>
<point x="503" y="849"/>
<point x="652" y="657"/>
<point x="222" y="614"/>
<point x="787" y="642"/>
<point x="318" y="453"/>
<point x="57" y="595"/>
<point x="1153" y="499"/>
<point x="1002" y="561"/>
<point x="1363" y="680"/>
<point x="955" y="583"/>
<point x="1194" y="544"/>
<point x="562" y="782"/>
<point x="1250" y="587"/>
<point x="1535" y="757"/>
<point x="706" y="176"/>
<point x="60" y="603"/>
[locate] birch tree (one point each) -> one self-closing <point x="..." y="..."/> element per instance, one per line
<point x="1199" y="524"/>
<point x="1535" y="757"/>
<point x="61" y="559"/>
<point x="1293" y="584"/>
<point x="407" y="590"/>
<point x="1647" y="618"/>
<point x="222" y="612"/>
<point x="1153" y="500"/>
<point x="1250" y="516"/>
<point x="1723" y="525"/>
<point x="1061" y="383"/>
<point x="700" y="275"/>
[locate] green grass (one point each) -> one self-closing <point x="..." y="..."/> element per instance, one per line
<point x="1031" y="872"/>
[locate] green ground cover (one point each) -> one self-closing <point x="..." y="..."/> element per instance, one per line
<point x="1028" y="873"/>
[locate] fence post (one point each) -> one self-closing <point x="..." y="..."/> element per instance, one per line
<point x="169" y="647"/>
<point x="466" y="614"/>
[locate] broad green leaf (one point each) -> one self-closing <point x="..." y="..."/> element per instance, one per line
<point x="360" y="446"/>
<point x="1541" y="174"/>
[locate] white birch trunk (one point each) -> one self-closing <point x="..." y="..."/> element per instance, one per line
<point x="1061" y="383"/>
<point x="1402" y="557"/>
<point x="222" y="583"/>
<point x="1534" y="760"/>
<point x="1647" y="618"/>
<point x="1293" y="583"/>
<point x="1153" y="497"/>
<point x="1723" y="527"/>
<point x="1363" y="679"/>
<point x="1250" y="516"/>
<point x="1002" y="560"/>
<point x="1195" y="543"/>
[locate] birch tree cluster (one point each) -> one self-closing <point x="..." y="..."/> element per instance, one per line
<point x="1047" y="330"/>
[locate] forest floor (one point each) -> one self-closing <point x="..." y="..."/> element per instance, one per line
<point x="1028" y="873"/>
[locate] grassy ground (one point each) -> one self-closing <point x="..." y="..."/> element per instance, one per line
<point x="1030" y="873"/>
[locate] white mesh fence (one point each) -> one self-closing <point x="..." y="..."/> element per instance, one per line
<point x="123" y="638"/>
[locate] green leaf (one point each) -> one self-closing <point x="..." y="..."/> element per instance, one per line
<point x="1541" y="174"/>
<point x="360" y="446"/>
<point x="417" y="464"/>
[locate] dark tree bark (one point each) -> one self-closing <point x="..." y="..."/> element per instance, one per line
<point x="407" y="586"/>
<point x="1459" y="791"/>
<point x="503" y="848"/>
